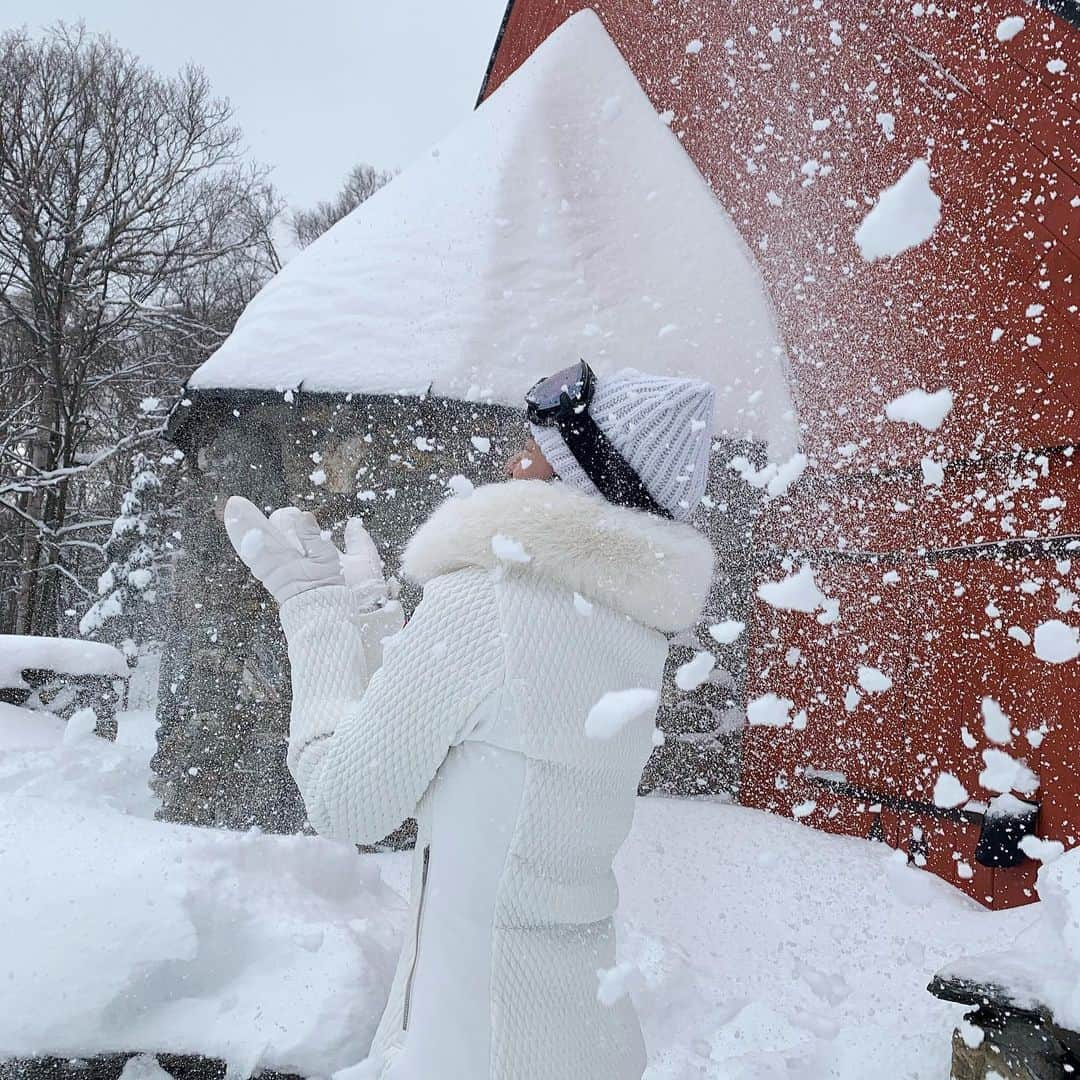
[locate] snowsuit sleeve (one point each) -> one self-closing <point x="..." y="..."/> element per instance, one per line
<point x="366" y="740"/>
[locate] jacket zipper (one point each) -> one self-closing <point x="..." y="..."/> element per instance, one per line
<point x="416" y="944"/>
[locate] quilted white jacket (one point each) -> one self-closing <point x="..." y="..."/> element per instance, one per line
<point x="473" y="718"/>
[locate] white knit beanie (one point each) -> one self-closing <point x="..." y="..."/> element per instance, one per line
<point x="661" y="426"/>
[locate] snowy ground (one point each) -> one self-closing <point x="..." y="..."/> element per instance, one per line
<point x="756" y="948"/>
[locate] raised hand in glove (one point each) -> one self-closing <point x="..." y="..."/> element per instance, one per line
<point x="289" y="554"/>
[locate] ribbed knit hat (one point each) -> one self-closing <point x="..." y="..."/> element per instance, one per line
<point x="661" y="426"/>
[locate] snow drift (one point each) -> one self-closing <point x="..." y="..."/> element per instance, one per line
<point x="121" y="933"/>
<point x="563" y="219"/>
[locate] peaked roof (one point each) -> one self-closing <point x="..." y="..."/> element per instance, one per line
<point x="562" y="219"/>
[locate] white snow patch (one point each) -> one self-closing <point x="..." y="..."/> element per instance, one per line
<point x="727" y="631"/>
<point x="995" y="722"/>
<point x="582" y="606"/>
<point x="799" y="592"/>
<point x="461" y="486"/>
<point x="904" y="216"/>
<point x="1045" y="851"/>
<point x="508" y="549"/>
<point x="267" y="951"/>
<point x="616" y="982"/>
<point x="874" y="681"/>
<point x="66" y="656"/>
<point x="80" y="726"/>
<point x="1004" y="773"/>
<point x="694" y="672"/>
<point x="933" y="475"/>
<point x="916" y="406"/>
<point x="1009" y="27"/>
<point x="768" y="710"/>
<point x="481" y="443"/>
<point x="1057" y="642"/>
<point x="617" y="708"/>
<point x="949" y="792"/>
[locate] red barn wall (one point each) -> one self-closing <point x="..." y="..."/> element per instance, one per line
<point x="983" y="552"/>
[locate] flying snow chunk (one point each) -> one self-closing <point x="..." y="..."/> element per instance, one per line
<point x="1057" y="642"/>
<point x="1009" y="27"/>
<point x="616" y="709"/>
<point x="949" y="792"/>
<point x="995" y="722"/>
<point x="616" y="982"/>
<point x="509" y="550"/>
<point x="933" y="475"/>
<point x="918" y="407"/>
<point x="694" y="672"/>
<point x="1056" y="66"/>
<point x="797" y="592"/>
<point x="461" y="486"/>
<point x="694" y="47"/>
<point x="769" y="711"/>
<point x="1035" y="847"/>
<point x="481" y="443"/>
<point x="874" y="681"/>
<point x="803" y="809"/>
<point x="905" y="216"/>
<point x="724" y="633"/>
<point x="1004" y="773"/>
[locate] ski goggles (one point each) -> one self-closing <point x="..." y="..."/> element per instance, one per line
<point x="565" y="393"/>
<point x="562" y="400"/>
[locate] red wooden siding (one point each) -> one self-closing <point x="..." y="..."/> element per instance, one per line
<point x="1002" y="135"/>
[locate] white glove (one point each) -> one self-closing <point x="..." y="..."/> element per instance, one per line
<point x="289" y="554"/>
<point x="362" y="566"/>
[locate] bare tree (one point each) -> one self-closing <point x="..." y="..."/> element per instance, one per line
<point x="361" y="183"/>
<point x="131" y="233"/>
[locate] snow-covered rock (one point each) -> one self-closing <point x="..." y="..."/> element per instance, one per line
<point x="67" y="656"/>
<point x="562" y="219"/>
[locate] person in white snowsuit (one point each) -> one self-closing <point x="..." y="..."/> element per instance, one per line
<point x="539" y="599"/>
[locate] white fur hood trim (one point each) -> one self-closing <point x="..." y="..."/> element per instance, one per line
<point x="655" y="571"/>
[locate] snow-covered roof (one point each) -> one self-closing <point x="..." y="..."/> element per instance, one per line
<point x="563" y="219"/>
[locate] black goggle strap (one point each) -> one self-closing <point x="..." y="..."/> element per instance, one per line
<point x="612" y="474"/>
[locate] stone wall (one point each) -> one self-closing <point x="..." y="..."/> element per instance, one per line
<point x="223" y="713"/>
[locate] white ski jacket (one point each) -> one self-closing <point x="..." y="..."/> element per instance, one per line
<point x="537" y="601"/>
